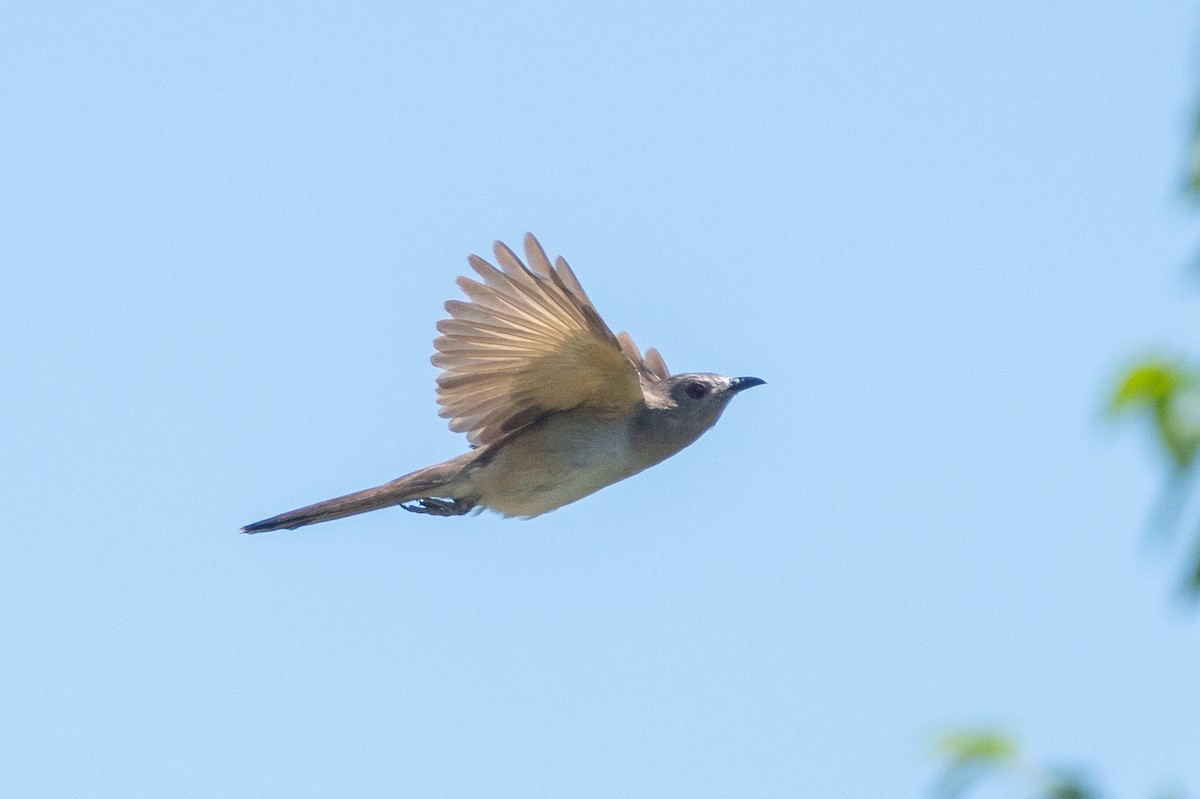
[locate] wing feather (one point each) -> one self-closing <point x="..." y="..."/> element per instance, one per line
<point x="528" y="341"/>
<point x="655" y="365"/>
<point x="652" y="367"/>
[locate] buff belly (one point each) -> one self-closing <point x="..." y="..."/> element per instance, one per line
<point x="553" y="464"/>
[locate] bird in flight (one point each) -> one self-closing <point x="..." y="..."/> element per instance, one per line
<point x="555" y="405"/>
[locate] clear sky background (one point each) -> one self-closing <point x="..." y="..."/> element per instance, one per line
<point x="938" y="231"/>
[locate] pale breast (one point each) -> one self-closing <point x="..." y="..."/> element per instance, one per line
<point x="553" y="463"/>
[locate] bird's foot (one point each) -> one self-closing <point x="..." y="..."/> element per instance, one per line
<point x="439" y="507"/>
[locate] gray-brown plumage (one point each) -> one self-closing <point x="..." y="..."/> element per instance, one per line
<point x="554" y="404"/>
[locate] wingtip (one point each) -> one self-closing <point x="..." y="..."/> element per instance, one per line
<point x="503" y="251"/>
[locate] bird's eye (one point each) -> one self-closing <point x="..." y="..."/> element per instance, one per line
<point x="695" y="389"/>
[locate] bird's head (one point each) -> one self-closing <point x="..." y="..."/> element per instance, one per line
<point x="693" y="401"/>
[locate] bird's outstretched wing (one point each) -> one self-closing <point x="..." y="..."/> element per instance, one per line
<point x="529" y="342"/>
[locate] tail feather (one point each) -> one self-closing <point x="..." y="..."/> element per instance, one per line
<point x="359" y="502"/>
<point x="434" y="481"/>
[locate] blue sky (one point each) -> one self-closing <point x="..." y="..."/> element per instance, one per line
<point x="937" y="230"/>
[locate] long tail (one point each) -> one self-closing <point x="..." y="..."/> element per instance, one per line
<point x="435" y="481"/>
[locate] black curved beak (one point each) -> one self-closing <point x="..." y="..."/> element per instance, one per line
<point x="742" y="383"/>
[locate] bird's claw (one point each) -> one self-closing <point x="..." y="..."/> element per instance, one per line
<point x="439" y="507"/>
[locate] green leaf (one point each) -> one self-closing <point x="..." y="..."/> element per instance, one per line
<point x="1147" y="384"/>
<point x="1169" y="394"/>
<point x="977" y="746"/>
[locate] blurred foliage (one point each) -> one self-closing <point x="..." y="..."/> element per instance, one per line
<point x="966" y="747"/>
<point x="1168" y="394"/>
<point x="1165" y="392"/>
<point x="1193" y="175"/>
<point x="1165" y="395"/>
<point x="973" y="758"/>
<point x="986" y="759"/>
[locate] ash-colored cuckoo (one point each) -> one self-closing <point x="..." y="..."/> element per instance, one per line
<point x="555" y="405"/>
